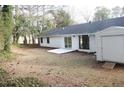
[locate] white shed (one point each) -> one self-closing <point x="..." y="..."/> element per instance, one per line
<point x="110" y="45"/>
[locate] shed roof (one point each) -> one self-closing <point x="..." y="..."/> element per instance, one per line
<point x="86" y="27"/>
<point x="114" y="30"/>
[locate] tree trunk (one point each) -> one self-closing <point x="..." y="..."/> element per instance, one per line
<point x="17" y="38"/>
<point x="29" y="40"/>
<point x="14" y="39"/>
<point x="25" y="40"/>
<point x="7" y="42"/>
<point x="39" y="41"/>
<point x="33" y="40"/>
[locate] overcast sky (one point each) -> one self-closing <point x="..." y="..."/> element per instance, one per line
<point x="79" y="8"/>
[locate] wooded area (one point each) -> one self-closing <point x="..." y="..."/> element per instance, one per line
<point x="36" y="67"/>
<point x="29" y="22"/>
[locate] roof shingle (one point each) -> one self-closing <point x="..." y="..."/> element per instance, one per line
<point x="86" y="27"/>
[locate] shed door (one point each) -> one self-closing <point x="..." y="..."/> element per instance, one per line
<point x="113" y="48"/>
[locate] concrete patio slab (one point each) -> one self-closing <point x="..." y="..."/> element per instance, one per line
<point x="61" y="50"/>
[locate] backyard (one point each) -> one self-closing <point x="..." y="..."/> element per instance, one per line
<point x="71" y="69"/>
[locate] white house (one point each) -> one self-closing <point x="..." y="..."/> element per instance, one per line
<point x="110" y="45"/>
<point x="80" y="37"/>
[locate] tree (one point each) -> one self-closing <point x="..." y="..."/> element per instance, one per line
<point x="61" y="18"/>
<point x="116" y="11"/>
<point x="18" y="23"/>
<point x="86" y="14"/>
<point x="8" y="25"/>
<point x="101" y="13"/>
<point x="24" y="30"/>
<point x="16" y="26"/>
<point x="86" y="17"/>
<point x="23" y="23"/>
<point x="2" y="28"/>
<point x="31" y="21"/>
<point x="44" y="19"/>
<point x="48" y="24"/>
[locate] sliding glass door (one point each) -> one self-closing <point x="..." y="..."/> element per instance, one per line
<point x="68" y="42"/>
<point x="84" y="42"/>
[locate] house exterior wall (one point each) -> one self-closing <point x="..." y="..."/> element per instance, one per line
<point x="110" y="45"/>
<point x="58" y="42"/>
<point x="75" y="42"/>
<point x="92" y="44"/>
<point x="55" y="42"/>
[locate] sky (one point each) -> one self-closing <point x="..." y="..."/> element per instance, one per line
<point x="77" y="7"/>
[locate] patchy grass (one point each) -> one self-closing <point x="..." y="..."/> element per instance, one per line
<point x="29" y="46"/>
<point x="5" y="56"/>
<point x="71" y="69"/>
<point x="24" y="82"/>
<point x="7" y="81"/>
<point x="16" y="45"/>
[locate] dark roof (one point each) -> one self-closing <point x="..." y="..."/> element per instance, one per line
<point x="86" y="27"/>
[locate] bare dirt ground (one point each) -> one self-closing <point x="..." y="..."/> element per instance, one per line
<point x="71" y="69"/>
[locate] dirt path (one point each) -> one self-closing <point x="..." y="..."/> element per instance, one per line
<point x="72" y="69"/>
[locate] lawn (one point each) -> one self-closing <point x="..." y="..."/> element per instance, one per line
<point x="71" y="69"/>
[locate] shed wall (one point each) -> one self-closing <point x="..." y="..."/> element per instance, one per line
<point x="92" y="43"/>
<point x="110" y="45"/>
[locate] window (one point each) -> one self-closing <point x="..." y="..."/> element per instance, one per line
<point x="68" y="42"/>
<point x="48" y="40"/>
<point x="41" y="40"/>
<point x="84" y="42"/>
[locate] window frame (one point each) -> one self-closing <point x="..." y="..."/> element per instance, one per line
<point x="48" y="40"/>
<point x="41" y="39"/>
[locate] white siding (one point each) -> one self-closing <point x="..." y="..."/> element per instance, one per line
<point x="75" y="42"/>
<point x="92" y="43"/>
<point x="111" y="51"/>
<point x="110" y="45"/>
<point x="98" y="48"/>
<point x="56" y="42"/>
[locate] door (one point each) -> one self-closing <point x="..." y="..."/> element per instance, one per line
<point x="68" y="42"/>
<point x="84" y="42"/>
<point x="113" y="48"/>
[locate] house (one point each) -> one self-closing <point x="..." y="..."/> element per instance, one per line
<point x="79" y="37"/>
<point x="110" y="45"/>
